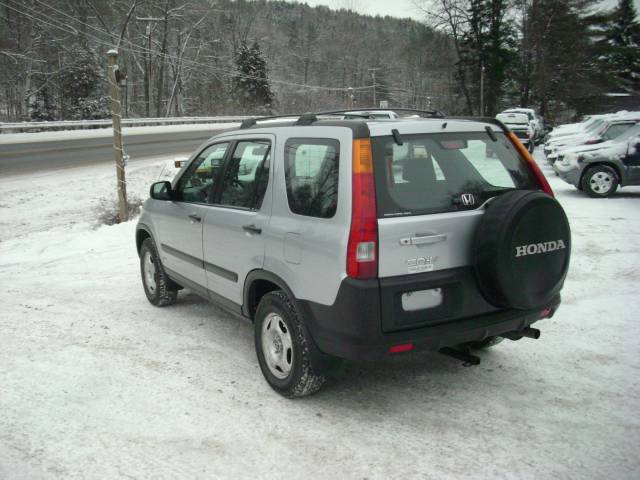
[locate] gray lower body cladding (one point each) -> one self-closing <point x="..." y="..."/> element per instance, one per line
<point x="367" y="318"/>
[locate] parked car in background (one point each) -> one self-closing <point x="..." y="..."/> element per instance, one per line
<point x="587" y="123"/>
<point x="589" y="128"/>
<point x="600" y="169"/>
<point x="519" y="124"/>
<point x="534" y="120"/>
<point x="608" y="129"/>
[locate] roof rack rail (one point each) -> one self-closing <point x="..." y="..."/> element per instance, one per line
<point x="309" y="118"/>
<point x="429" y="113"/>
<point x="250" y="122"/>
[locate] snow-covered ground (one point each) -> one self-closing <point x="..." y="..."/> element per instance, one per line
<point x="97" y="383"/>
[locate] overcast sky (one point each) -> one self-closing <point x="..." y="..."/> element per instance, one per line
<point x="400" y="8"/>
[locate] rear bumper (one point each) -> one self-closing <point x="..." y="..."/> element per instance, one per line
<point x="354" y="326"/>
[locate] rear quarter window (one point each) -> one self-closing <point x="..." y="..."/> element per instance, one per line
<point x="311" y="176"/>
<point x="429" y="173"/>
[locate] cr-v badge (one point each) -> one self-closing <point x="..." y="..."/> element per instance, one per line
<point x="421" y="264"/>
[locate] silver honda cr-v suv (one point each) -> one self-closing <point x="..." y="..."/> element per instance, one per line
<point x="360" y="238"/>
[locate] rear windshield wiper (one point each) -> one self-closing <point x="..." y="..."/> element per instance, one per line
<point x="491" y="133"/>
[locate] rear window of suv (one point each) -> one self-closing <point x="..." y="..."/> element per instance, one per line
<point x="430" y="173"/>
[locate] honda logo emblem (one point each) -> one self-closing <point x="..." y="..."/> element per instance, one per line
<point x="468" y="199"/>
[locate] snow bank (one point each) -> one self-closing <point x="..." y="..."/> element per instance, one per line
<point x="11" y="138"/>
<point x="97" y="383"/>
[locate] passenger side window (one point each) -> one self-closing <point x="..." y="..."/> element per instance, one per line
<point x="247" y="175"/>
<point x="198" y="182"/>
<point x="614" y="130"/>
<point x="311" y="175"/>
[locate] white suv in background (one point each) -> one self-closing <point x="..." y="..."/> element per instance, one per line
<point x="519" y="124"/>
<point x="534" y="121"/>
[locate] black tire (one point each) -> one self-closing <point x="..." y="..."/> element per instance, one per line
<point x="595" y="189"/>
<point x="301" y="378"/>
<point x="487" y="343"/>
<point x="165" y="290"/>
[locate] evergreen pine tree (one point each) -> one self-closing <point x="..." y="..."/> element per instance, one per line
<point x="82" y="89"/>
<point x="43" y="107"/>
<point x="622" y="46"/>
<point x="251" y="88"/>
<point x="488" y="43"/>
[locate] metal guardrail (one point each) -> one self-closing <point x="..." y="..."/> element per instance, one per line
<point x="19" y="127"/>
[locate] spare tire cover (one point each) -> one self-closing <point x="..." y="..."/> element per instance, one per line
<point x="521" y="250"/>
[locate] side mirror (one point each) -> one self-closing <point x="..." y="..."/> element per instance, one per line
<point x="161" y="191"/>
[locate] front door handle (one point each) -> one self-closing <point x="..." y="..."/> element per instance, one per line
<point x="195" y="217"/>
<point x="252" y="229"/>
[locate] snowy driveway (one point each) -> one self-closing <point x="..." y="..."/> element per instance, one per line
<point x="97" y="383"/>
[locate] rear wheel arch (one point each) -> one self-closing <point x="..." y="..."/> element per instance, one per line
<point x="257" y="284"/>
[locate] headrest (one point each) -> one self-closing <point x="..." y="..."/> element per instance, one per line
<point x="418" y="170"/>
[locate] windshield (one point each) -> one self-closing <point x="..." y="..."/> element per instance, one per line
<point x="596" y="126"/>
<point x="590" y="122"/>
<point x="528" y="113"/>
<point x="513" y="118"/>
<point x="428" y="173"/>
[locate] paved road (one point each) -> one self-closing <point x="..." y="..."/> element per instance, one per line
<point x="17" y="158"/>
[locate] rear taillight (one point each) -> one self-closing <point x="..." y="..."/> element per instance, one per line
<point x="531" y="163"/>
<point x="362" y="250"/>
<point x="592" y="141"/>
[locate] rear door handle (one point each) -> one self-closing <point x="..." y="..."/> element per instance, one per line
<point x="423" y="239"/>
<point x="195" y="217"/>
<point x="252" y="229"/>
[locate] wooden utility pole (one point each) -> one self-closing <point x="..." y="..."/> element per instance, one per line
<point x="116" y="117"/>
<point x="373" y="77"/>
<point x="482" y="90"/>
